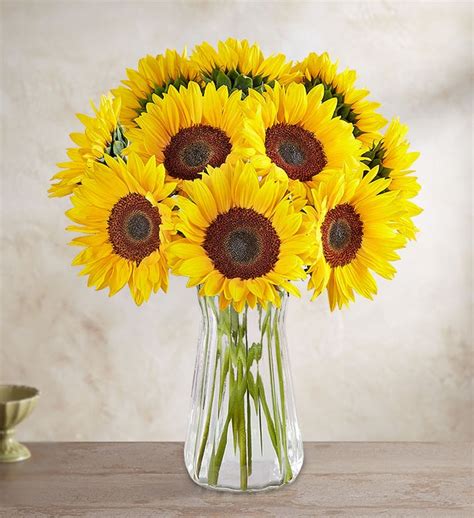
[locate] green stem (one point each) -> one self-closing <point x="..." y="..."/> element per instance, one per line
<point x="260" y="431"/>
<point x="242" y="440"/>
<point x="203" y="304"/>
<point x="209" y="301"/>
<point x="268" y="415"/>
<point x="215" y="467"/>
<point x="205" y="435"/>
<point x="234" y="344"/>
<point x="258" y="387"/>
<point x="235" y="396"/>
<point x="249" y="420"/>
<point x="276" y="415"/>
<point x="288" y="471"/>
<point x="224" y="370"/>
<point x="235" y="369"/>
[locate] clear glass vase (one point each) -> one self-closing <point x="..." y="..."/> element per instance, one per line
<point x="243" y="433"/>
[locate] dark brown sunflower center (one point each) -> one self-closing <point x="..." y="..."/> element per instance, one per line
<point x="242" y="243"/>
<point x="192" y="149"/>
<point x="296" y="150"/>
<point x="342" y="232"/>
<point x="291" y="153"/>
<point x="339" y="234"/>
<point x="138" y="226"/>
<point x="196" y="154"/>
<point x="134" y="227"/>
<point x="243" y="246"/>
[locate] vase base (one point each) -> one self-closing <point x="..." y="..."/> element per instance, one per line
<point x="249" y="490"/>
<point x="254" y="487"/>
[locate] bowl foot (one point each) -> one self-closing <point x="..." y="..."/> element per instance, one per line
<point x="14" y="452"/>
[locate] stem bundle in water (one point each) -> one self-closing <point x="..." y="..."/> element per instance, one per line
<point x="232" y="381"/>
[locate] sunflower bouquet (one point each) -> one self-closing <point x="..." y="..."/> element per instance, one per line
<point x="243" y="173"/>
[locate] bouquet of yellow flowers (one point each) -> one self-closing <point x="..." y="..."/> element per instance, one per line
<point x="243" y="173"/>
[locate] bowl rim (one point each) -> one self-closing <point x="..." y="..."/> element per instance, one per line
<point x="35" y="392"/>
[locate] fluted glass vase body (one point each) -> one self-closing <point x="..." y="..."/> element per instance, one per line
<point x="243" y="433"/>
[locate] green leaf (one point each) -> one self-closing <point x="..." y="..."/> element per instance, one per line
<point x="224" y="322"/>
<point x="255" y="353"/>
<point x="234" y="319"/>
<point x="250" y="357"/>
<point x="252" y="388"/>
<point x="241" y="358"/>
<point x="233" y="355"/>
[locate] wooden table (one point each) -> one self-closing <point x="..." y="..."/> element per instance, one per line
<point x="115" y="480"/>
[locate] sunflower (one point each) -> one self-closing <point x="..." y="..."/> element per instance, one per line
<point x="102" y="137"/>
<point x="154" y="76"/>
<point x="243" y="239"/>
<point x="354" y="234"/>
<point x="391" y="153"/>
<point x="352" y="105"/>
<point x="123" y="210"/>
<point x="240" y="66"/>
<point x="296" y="131"/>
<point x="189" y="130"/>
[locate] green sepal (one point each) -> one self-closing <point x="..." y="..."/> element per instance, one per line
<point x="257" y="82"/>
<point x="223" y="80"/>
<point x="118" y="142"/>
<point x="342" y="110"/>
<point x="160" y="91"/>
<point x="118" y="147"/>
<point x="373" y="158"/>
<point x="243" y="83"/>
<point x="235" y="80"/>
<point x="232" y="75"/>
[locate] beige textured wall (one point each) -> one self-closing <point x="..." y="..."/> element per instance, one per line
<point x="398" y="368"/>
